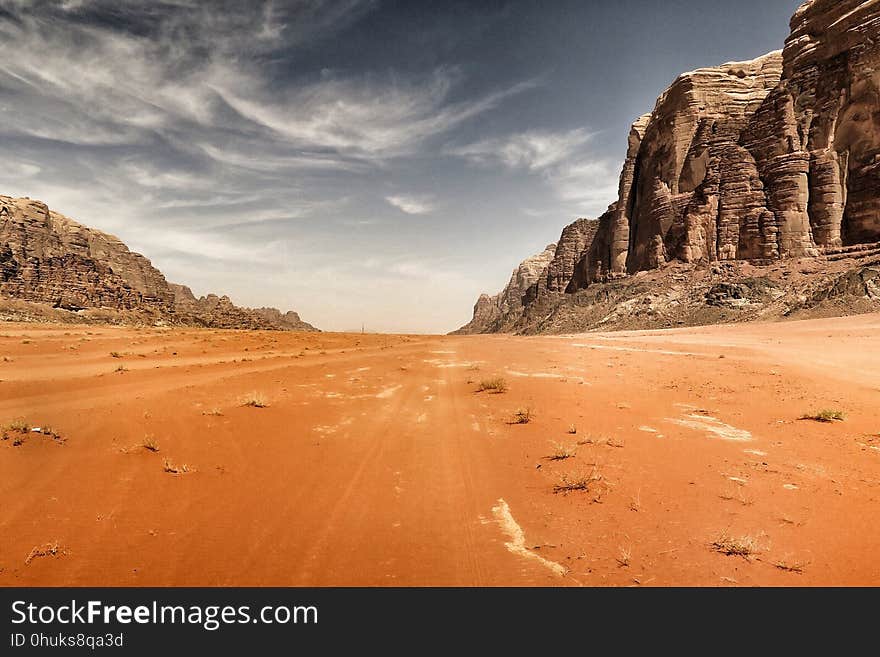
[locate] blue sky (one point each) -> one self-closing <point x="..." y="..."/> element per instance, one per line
<point x="359" y="161"/>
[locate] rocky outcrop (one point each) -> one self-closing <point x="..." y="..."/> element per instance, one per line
<point x="575" y="238"/>
<point x="492" y="314"/>
<point x="219" y="312"/>
<point x="46" y="257"/>
<point x="761" y="161"/>
<point x="289" y="321"/>
<point x="50" y="260"/>
<point x="683" y="204"/>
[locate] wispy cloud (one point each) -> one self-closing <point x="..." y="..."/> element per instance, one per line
<point x="535" y="150"/>
<point x="239" y="147"/>
<point x="562" y="159"/>
<point x="411" y="204"/>
<point x="589" y="183"/>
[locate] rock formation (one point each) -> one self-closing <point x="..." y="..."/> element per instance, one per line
<point x="220" y="312"/>
<point x="492" y="313"/>
<point x="761" y="161"/>
<point x="49" y="260"/>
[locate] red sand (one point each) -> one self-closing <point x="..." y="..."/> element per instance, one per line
<point x="376" y="461"/>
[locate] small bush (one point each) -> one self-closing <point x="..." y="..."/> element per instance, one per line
<point x="47" y="550"/>
<point x="255" y="400"/>
<point x="495" y="386"/>
<point x="577" y="481"/>
<point x="743" y="546"/>
<point x="790" y="567"/>
<point x="572" y="430"/>
<point x="561" y="452"/>
<point x="522" y="416"/>
<point x="825" y="415"/>
<point x="601" y="440"/>
<point x="170" y="468"/>
<point x="21" y="426"/>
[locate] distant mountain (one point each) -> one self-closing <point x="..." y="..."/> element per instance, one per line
<point x="53" y="268"/>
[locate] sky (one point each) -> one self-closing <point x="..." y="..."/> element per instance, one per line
<point x="363" y="162"/>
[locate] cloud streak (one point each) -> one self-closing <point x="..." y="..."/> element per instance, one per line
<point x="411" y="204"/>
<point x="534" y="150"/>
<point x="560" y="158"/>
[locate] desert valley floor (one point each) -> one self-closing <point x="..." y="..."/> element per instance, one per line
<point x="376" y="461"/>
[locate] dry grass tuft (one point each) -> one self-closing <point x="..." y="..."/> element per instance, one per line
<point x="170" y="468"/>
<point x="635" y="503"/>
<point x="216" y="412"/>
<point x="576" y="481"/>
<point x="496" y="385"/>
<point x="20" y="425"/>
<point x="790" y="567"/>
<point x="19" y="430"/>
<point x="601" y="441"/>
<point x="742" y="546"/>
<point x="562" y="452"/>
<point x="572" y="430"/>
<point x="825" y="415"/>
<point x="150" y="444"/>
<point x="521" y="416"/>
<point x="624" y="556"/>
<point x="47" y="550"/>
<point x="255" y="400"/>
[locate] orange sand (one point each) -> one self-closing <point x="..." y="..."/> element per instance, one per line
<point x="377" y="463"/>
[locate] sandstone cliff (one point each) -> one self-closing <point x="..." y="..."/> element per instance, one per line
<point x="53" y="267"/>
<point x="763" y="162"/>
<point x="492" y="314"/>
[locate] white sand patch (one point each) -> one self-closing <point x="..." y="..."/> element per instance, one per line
<point x="545" y="375"/>
<point x="422" y="418"/>
<point x="517" y="542"/>
<point x="388" y="392"/>
<point x="445" y="364"/>
<point x="713" y="426"/>
<point x="664" y="352"/>
<point x="429" y="398"/>
<point x="334" y="395"/>
<point x="648" y="429"/>
<point x="329" y="376"/>
<point x="443" y="352"/>
<point x="755" y="452"/>
<point x="789" y="486"/>
<point x="475" y="426"/>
